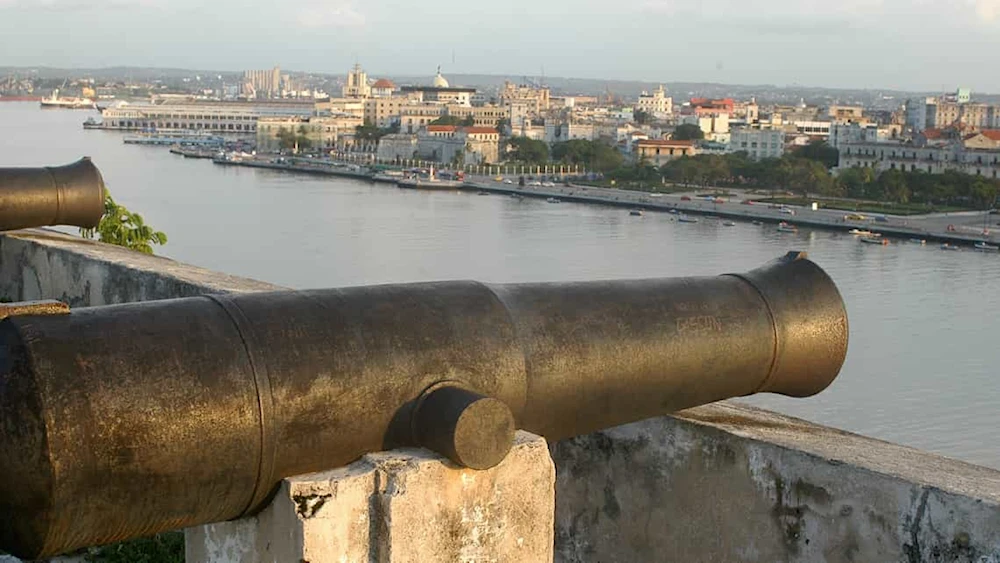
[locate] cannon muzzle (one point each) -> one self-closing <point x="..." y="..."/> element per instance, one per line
<point x="127" y="420"/>
<point x="56" y="195"/>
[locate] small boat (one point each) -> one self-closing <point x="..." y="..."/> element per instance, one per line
<point x="484" y="192"/>
<point x="686" y="218"/>
<point x="784" y="227"/>
<point x="553" y="200"/>
<point x="758" y="223"/>
<point x="674" y="211"/>
<point x="918" y="241"/>
<point x="982" y="246"/>
<point x="517" y="196"/>
<point x="946" y="246"/>
<point x="874" y="239"/>
<point x="635" y="213"/>
<point x="729" y="223"/>
<point x="861" y="232"/>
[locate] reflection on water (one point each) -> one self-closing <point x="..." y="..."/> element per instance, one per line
<point x="922" y="363"/>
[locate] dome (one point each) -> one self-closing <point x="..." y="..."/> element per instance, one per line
<point x="439" y="81"/>
<point x="384" y="84"/>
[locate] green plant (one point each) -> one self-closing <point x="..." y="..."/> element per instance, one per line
<point x="163" y="548"/>
<point x="122" y="227"/>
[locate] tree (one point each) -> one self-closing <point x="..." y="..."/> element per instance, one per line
<point x="856" y="180"/>
<point x="641" y="117"/>
<point x="594" y="155"/>
<point x="122" y="227"/>
<point x="447" y="120"/>
<point x="469" y="121"/>
<point x="820" y="152"/>
<point x="688" y="132"/>
<point x="984" y="194"/>
<point x="528" y="151"/>
<point x="894" y="187"/>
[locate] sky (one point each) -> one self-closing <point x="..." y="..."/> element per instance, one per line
<point x="926" y="45"/>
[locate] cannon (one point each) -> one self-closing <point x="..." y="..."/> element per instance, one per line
<point x="127" y="420"/>
<point x="53" y="195"/>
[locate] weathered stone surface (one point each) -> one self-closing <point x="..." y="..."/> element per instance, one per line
<point x="404" y="506"/>
<point x="727" y="482"/>
<point x="46" y="264"/>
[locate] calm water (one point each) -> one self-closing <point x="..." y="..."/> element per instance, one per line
<point x="924" y="362"/>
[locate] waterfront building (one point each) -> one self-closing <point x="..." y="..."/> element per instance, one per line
<point x="659" y="152"/>
<point x="357" y="84"/>
<point x="332" y="106"/>
<point x="258" y="84"/>
<point x="319" y="132"/>
<point x="656" y="103"/>
<point x="977" y="154"/>
<point x="397" y="146"/>
<point x="215" y="117"/>
<point x="453" y="145"/>
<point x="758" y="143"/>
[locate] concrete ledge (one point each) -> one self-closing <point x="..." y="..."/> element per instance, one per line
<point x="404" y="506"/>
<point x="46" y="264"/>
<point x="727" y="482"/>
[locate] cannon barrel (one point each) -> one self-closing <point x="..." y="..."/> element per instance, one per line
<point x="126" y="420"/>
<point x="52" y="195"/>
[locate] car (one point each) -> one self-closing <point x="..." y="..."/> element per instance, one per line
<point x="685" y="198"/>
<point x="773" y="206"/>
<point x="747" y="202"/>
<point x="548" y="184"/>
<point x="534" y="183"/>
<point x="787" y="211"/>
<point x="508" y="181"/>
<point x="718" y="200"/>
<point x="854" y="217"/>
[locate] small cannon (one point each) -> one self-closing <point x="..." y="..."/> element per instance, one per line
<point x="57" y="195"/>
<point x="128" y="420"/>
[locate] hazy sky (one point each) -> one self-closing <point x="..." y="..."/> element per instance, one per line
<point x="905" y="44"/>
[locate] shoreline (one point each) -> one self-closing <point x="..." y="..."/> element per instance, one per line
<point x="826" y="219"/>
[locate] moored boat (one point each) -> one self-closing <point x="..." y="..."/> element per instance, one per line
<point x="983" y="246"/>
<point x="861" y="232"/>
<point x="947" y="246"/>
<point x="729" y="223"/>
<point x="553" y="200"/>
<point x="686" y="218"/>
<point x="784" y="227"/>
<point x="874" y="238"/>
<point x="635" y="213"/>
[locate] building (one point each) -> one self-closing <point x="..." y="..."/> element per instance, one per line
<point x="318" y="132"/>
<point x="216" y="117"/>
<point x="334" y="106"/>
<point x="659" y="152"/>
<point x="399" y="146"/>
<point x="440" y="91"/>
<point x="706" y="106"/>
<point x="537" y="99"/>
<point x="846" y="114"/>
<point x="715" y="126"/>
<point x="758" y="143"/>
<point x="383" y="88"/>
<point x="453" y="145"/>
<point x="384" y="112"/>
<point x="357" y="84"/>
<point x="482" y="116"/>
<point x="852" y="133"/>
<point x="977" y="154"/>
<point x="413" y="116"/>
<point x="561" y="132"/>
<point x="657" y="104"/>
<point x="262" y="84"/>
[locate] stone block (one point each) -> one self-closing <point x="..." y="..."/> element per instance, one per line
<point x="403" y="506"/>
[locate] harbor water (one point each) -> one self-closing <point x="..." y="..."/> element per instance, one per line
<point x="923" y="367"/>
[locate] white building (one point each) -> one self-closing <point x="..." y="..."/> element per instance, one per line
<point x="215" y="117"/>
<point x="758" y="143"/>
<point x="658" y="103"/>
<point x="851" y="133"/>
<point x="934" y="159"/>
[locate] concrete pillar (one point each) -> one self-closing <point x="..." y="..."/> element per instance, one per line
<point x="403" y="506"/>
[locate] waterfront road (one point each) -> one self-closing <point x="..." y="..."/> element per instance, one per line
<point x="963" y="227"/>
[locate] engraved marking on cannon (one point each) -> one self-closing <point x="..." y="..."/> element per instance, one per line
<point x="699" y="325"/>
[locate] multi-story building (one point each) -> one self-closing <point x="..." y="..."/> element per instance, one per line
<point x="706" y="106"/>
<point x="537" y="99"/>
<point x="414" y="116"/>
<point x="397" y="147"/>
<point x="483" y="116"/>
<point x="561" y="132"/>
<point x="758" y="143"/>
<point x="262" y="83"/>
<point x="318" y="132"/>
<point x="216" y="117"/>
<point x="332" y="106"/>
<point x="813" y="128"/>
<point x="657" y="103"/>
<point x="851" y="133"/>
<point x="357" y="84"/>
<point x="659" y="152"/>
<point x="440" y="91"/>
<point x="846" y="114"/>
<point x="383" y="88"/>
<point x="384" y="112"/>
<point x="459" y="145"/>
<point x="977" y="154"/>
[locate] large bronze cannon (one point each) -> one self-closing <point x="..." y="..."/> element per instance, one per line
<point x="126" y="420"/>
<point x="55" y="195"/>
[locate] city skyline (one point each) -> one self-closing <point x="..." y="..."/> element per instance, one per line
<point x="852" y="44"/>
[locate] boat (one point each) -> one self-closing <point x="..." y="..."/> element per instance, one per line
<point x="434" y="181"/>
<point x="553" y="200"/>
<point x="92" y="123"/>
<point x="673" y="211"/>
<point x="918" y="241"/>
<point x="784" y="227"/>
<point x="874" y="239"/>
<point x="729" y="223"/>
<point x="635" y="212"/>
<point x="483" y="192"/>
<point x="686" y="218"/>
<point x="517" y="196"/>
<point x="982" y="246"/>
<point x="947" y="246"/>
<point x="861" y="232"/>
<point x="54" y="101"/>
<point x="758" y="223"/>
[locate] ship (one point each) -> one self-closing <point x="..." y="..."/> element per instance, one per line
<point x="54" y="101"/>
